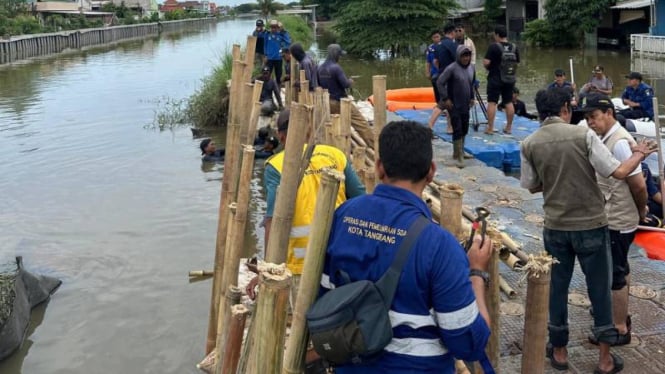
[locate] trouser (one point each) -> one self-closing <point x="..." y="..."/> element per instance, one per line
<point x="459" y="119"/>
<point x="656" y="209"/>
<point x="358" y="122"/>
<point x="277" y="66"/>
<point x="634" y="113"/>
<point x="620" y="243"/>
<point x="592" y="249"/>
<point x="437" y="97"/>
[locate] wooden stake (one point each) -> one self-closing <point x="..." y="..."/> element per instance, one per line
<point x="235" y="76"/>
<point x="271" y="319"/>
<point x="370" y="179"/>
<point x="291" y="95"/>
<point x="249" y="59"/>
<point x="296" y="348"/>
<point x="336" y="123"/>
<point x="231" y="297"/>
<point x="329" y="133"/>
<point x="255" y="112"/>
<point x="344" y="135"/>
<point x="379" y="92"/>
<point x="247" y="94"/>
<point x="233" y="342"/>
<point x="535" y="314"/>
<point x="359" y="158"/>
<point x="304" y="88"/>
<point x="288" y="188"/>
<point x="451" y="208"/>
<point x="493" y="301"/>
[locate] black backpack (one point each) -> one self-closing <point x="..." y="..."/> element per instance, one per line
<point x="508" y="67"/>
<point x="350" y="324"/>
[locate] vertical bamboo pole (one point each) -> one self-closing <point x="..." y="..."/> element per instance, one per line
<point x="451" y="208"/>
<point x="250" y="48"/>
<point x="296" y="348"/>
<point x="292" y="87"/>
<point x="329" y="133"/>
<point x="233" y="342"/>
<point x="247" y="94"/>
<point x="493" y="300"/>
<point x="304" y="88"/>
<point x="271" y="319"/>
<point x="370" y="179"/>
<point x="535" y="315"/>
<point x="336" y="123"/>
<point x="255" y="112"/>
<point x="236" y="77"/>
<point x="656" y="121"/>
<point x="288" y="187"/>
<point x="318" y="116"/>
<point x="345" y="126"/>
<point x="326" y="105"/>
<point x="379" y="92"/>
<point x="231" y="297"/>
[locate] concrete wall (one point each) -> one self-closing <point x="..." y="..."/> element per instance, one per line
<point x="27" y="46"/>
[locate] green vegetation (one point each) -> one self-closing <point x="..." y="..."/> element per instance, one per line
<point x="367" y="25"/>
<point x="298" y="29"/>
<point x="209" y="105"/>
<point x="566" y="22"/>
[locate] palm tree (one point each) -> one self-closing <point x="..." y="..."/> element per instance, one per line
<point x="267" y="7"/>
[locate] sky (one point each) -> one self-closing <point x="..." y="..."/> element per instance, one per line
<point x="237" y="2"/>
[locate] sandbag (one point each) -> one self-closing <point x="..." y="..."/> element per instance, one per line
<point x="20" y="291"/>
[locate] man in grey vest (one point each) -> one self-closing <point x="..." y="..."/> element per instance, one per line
<point x="562" y="160"/>
<point x="625" y="205"/>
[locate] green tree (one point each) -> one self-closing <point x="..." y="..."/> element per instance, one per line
<point x="493" y="9"/>
<point x="267" y="7"/>
<point x="570" y="19"/>
<point x="367" y="25"/>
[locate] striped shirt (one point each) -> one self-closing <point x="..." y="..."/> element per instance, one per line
<point x="434" y="314"/>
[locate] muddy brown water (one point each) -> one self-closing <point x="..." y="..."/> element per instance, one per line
<point x="121" y="213"/>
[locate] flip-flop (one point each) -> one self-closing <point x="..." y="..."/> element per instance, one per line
<point x="489" y="133"/>
<point x="549" y="353"/>
<point x="507" y="132"/>
<point x="618" y="366"/>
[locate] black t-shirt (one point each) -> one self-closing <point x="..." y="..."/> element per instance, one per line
<point x="494" y="53"/>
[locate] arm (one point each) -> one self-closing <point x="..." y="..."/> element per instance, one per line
<point x="472" y="47"/>
<point x="275" y="91"/>
<point x="352" y="182"/>
<point x="442" y="84"/>
<point x="638" y="189"/>
<point x="339" y="75"/>
<point x="604" y="162"/>
<point x="529" y="177"/>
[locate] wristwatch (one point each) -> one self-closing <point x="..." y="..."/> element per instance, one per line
<point x="479" y="273"/>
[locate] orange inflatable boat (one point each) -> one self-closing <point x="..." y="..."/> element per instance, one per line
<point x="415" y="98"/>
<point x="653" y="244"/>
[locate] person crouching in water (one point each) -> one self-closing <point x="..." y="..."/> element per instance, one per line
<point x="455" y="85"/>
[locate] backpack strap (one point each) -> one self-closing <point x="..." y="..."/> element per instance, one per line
<point x="387" y="284"/>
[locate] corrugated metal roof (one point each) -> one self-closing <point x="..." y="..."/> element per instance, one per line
<point x="633" y="4"/>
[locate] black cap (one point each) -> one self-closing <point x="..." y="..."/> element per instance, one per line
<point x="597" y="69"/>
<point x="597" y="101"/>
<point x="634" y="75"/>
<point x="272" y="140"/>
<point x="204" y="145"/>
<point x="559" y="72"/>
<point x="259" y="22"/>
<point x="265" y="69"/>
<point x="283" y="120"/>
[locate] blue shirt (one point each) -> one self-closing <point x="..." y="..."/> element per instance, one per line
<point x="273" y="43"/>
<point x="643" y="95"/>
<point x="434" y="313"/>
<point x="430" y="54"/>
<point x="652" y="186"/>
<point x="446" y="53"/>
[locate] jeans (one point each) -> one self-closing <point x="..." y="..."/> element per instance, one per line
<point x="459" y="119"/>
<point x="592" y="249"/>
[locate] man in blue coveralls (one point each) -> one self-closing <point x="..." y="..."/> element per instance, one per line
<point x="638" y="96"/>
<point x="439" y="312"/>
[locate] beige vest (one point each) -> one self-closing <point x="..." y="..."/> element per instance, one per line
<point x="572" y="200"/>
<point x="619" y="204"/>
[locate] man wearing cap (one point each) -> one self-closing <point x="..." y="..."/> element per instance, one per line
<point x="562" y="161"/>
<point x="561" y="82"/>
<point x="598" y="84"/>
<point x="274" y="41"/>
<point x="323" y="157"/>
<point x="304" y="63"/>
<point x="625" y="205"/>
<point x="333" y="79"/>
<point x="431" y="71"/>
<point x="269" y="92"/>
<point x="496" y="87"/>
<point x="638" y="96"/>
<point x="462" y="39"/>
<point x="259" y="33"/>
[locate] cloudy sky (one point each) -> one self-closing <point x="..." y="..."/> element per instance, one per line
<point x="236" y="2"/>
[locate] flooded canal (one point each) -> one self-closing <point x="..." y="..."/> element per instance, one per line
<point x="121" y="213"/>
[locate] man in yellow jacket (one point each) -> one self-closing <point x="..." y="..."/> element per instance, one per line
<point x="323" y="157"/>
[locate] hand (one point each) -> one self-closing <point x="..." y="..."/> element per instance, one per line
<point x="476" y="84"/>
<point x="643" y="214"/>
<point x="645" y="146"/>
<point x="479" y="256"/>
<point x="428" y="75"/>
<point x="251" y="286"/>
<point x="350" y="80"/>
<point x="472" y="103"/>
<point x="448" y="104"/>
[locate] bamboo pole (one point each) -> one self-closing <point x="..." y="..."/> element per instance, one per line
<point x="506" y="289"/>
<point x="249" y="59"/>
<point x="370" y="179"/>
<point x="304" y="87"/>
<point x="510" y="259"/>
<point x="379" y="92"/>
<point x="291" y="93"/>
<point x="336" y="123"/>
<point x="318" y="116"/>
<point x="329" y="133"/>
<point x="288" y="187"/>
<point x="344" y="134"/>
<point x="451" y="196"/>
<point x="493" y="301"/>
<point x="296" y="348"/>
<point x="233" y="342"/>
<point x="201" y="273"/>
<point x="270" y="321"/>
<point x="460" y="367"/>
<point x="359" y="158"/>
<point x="661" y="177"/>
<point x="231" y="297"/>
<point x="247" y="348"/>
<point x="535" y="315"/>
<point x="255" y="112"/>
<point x="229" y="181"/>
<point x="245" y="125"/>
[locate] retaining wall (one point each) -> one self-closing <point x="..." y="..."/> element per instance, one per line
<point x="27" y="46"/>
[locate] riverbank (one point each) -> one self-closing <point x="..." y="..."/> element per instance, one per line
<point x="29" y="46"/>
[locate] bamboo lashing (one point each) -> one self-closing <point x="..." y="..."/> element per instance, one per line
<point x="451" y="195"/>
<point x="233" y="342"/>
<point x="231" y="297"/>
<point x="661" y="177"/>
<point x="270" y="319"/>
<point x="379" y="94"/>
<point x="538" y="272"/>
<point x="288" y="187"/>
<point x="296" y="348"/>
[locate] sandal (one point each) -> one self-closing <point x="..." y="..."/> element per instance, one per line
<point x="549" y="353"/>
<point x="618" y="366"/>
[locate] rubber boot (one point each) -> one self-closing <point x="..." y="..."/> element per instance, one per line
<point x="459" y="150"/>
<point x="452" y="161"/>
<point x="466" y="155"/>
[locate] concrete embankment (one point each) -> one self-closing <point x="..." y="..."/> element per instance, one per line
<point x="28" y="46"/>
